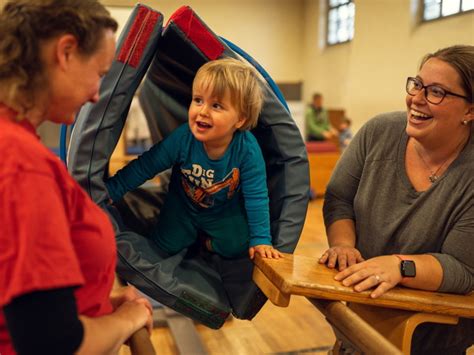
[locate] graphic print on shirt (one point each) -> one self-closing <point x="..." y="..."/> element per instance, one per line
<point x="199" y="185"/>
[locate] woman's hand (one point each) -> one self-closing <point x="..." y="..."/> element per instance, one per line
<point x="381" y="273"/>
<point x="138" y="311"/>
<point x="343" y="256"/>
<point x="123" y="294"/>
<point x="266" y="251"/>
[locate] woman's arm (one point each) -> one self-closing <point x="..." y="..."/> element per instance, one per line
<point x="342" y="233"/>
<point x="338" y="209"/>
<point x="47" y="322"/>
<point x="382" y="273"/>
<point x="429" y="272"/>
<point x="107" y="333"/>
<point x="449" y="270"/>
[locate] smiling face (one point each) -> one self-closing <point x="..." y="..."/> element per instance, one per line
<point x="76" y="78"/>
<point x="438" y="124"/>
<point x="213" y="120"/>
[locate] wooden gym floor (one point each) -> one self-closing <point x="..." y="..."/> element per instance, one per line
<point x="297" y="329"/>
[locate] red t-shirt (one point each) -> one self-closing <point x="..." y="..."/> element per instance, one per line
<point x="52" y="235"/>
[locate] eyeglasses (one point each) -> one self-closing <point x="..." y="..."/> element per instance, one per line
<point x="433" y="93"/>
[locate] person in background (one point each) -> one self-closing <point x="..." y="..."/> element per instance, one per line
<point x="218" y="186"/>
<point x="345" y="133"/>
<point x="57" y="254"/>
<point x="399" y="206"/>
<point x="317" y="122"/>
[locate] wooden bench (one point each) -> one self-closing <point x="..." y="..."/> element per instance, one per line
<point x="395" y="315"/>
<point x="322" y="157"/>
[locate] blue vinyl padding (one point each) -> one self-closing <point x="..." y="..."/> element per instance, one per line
<point x="260" y="69"/>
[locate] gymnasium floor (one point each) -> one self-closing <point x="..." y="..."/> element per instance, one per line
<point x="297" y="329"/>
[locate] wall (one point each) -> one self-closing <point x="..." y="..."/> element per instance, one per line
<point x="271" y="31"/>
<point x="367" y="76"/>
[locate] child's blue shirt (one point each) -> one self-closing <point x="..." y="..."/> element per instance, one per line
<point x="206" y="185"/>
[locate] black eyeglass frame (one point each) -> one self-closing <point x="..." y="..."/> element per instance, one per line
<point x="425" y="87"/>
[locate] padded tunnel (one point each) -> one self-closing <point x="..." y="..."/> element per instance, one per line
<point x="198" y="284"/>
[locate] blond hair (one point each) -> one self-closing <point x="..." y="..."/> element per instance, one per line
<point x="24" y="27"/>
<point x="240" y="79"/>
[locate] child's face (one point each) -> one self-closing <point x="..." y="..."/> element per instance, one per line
<point x="213" y="121"/>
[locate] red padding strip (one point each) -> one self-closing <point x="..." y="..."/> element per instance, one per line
<point x="138" y="36"/>
<point x="195" y="30"/>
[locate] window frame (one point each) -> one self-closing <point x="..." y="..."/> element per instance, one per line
<point x="328" y="10"/>
<point x="440" y="15"/>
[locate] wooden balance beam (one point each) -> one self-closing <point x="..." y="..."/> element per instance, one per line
<point x="395" y="315"/>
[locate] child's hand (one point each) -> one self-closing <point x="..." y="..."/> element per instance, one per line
<point x="266" y="251"/>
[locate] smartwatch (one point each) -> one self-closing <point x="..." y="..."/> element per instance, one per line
<point x="407" y="267"/>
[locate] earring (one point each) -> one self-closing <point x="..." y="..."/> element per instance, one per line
<point x="465" y="122"/>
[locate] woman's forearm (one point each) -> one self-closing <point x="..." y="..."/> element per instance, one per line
<point x="106" y="334"/>
<point x="342" y="233"/>
<point x="429" y="273"/>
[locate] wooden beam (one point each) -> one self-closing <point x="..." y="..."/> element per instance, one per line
<point x="273" y="293"/>
<point x="349" y="324"/>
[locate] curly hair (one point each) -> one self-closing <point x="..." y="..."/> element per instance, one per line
<point x="240" y="79"/>
<point x="26" y="24"/>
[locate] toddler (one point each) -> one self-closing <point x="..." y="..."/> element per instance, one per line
<point x="218" y="181"/>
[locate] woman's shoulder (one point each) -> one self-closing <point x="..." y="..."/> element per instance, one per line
<point x="385" y="126"/>
<point x="391" y="119"/>
<point x="24" y="153"/>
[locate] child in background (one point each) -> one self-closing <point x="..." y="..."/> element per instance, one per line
<point x="345" y="133"/>
<point x="218" y="182"/>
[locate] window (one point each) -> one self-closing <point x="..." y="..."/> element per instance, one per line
<point x="434" y="9"/>
<point x="340" y="21"/>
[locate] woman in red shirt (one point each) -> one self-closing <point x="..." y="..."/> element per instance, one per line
<point x="57" y="254"/>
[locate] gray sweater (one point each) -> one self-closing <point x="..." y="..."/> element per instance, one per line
<point x="370" y="186"/>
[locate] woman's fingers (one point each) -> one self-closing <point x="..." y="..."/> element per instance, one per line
<point x="342" y="261"/>
<point x="368" y="282"/>
<point x="351" y="277"/>
<point x="332" y="259"/>
<point x="381" y="289"/>
<point x="323" y="258"/>
<point x="149" y="321"/>
<point x="343" y="257"/>
<point x="380" y="274"/>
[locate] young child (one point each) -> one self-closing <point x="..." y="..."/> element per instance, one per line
<point x="218" y="182"/>
<point x="345" y="133"/>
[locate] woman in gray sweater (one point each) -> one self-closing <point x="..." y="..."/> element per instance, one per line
<point x="399" y="209"/>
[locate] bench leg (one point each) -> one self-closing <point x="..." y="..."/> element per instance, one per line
<point x="398" y="325"/>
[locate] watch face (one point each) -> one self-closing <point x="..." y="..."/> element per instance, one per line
<point x="408" y="268"/>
